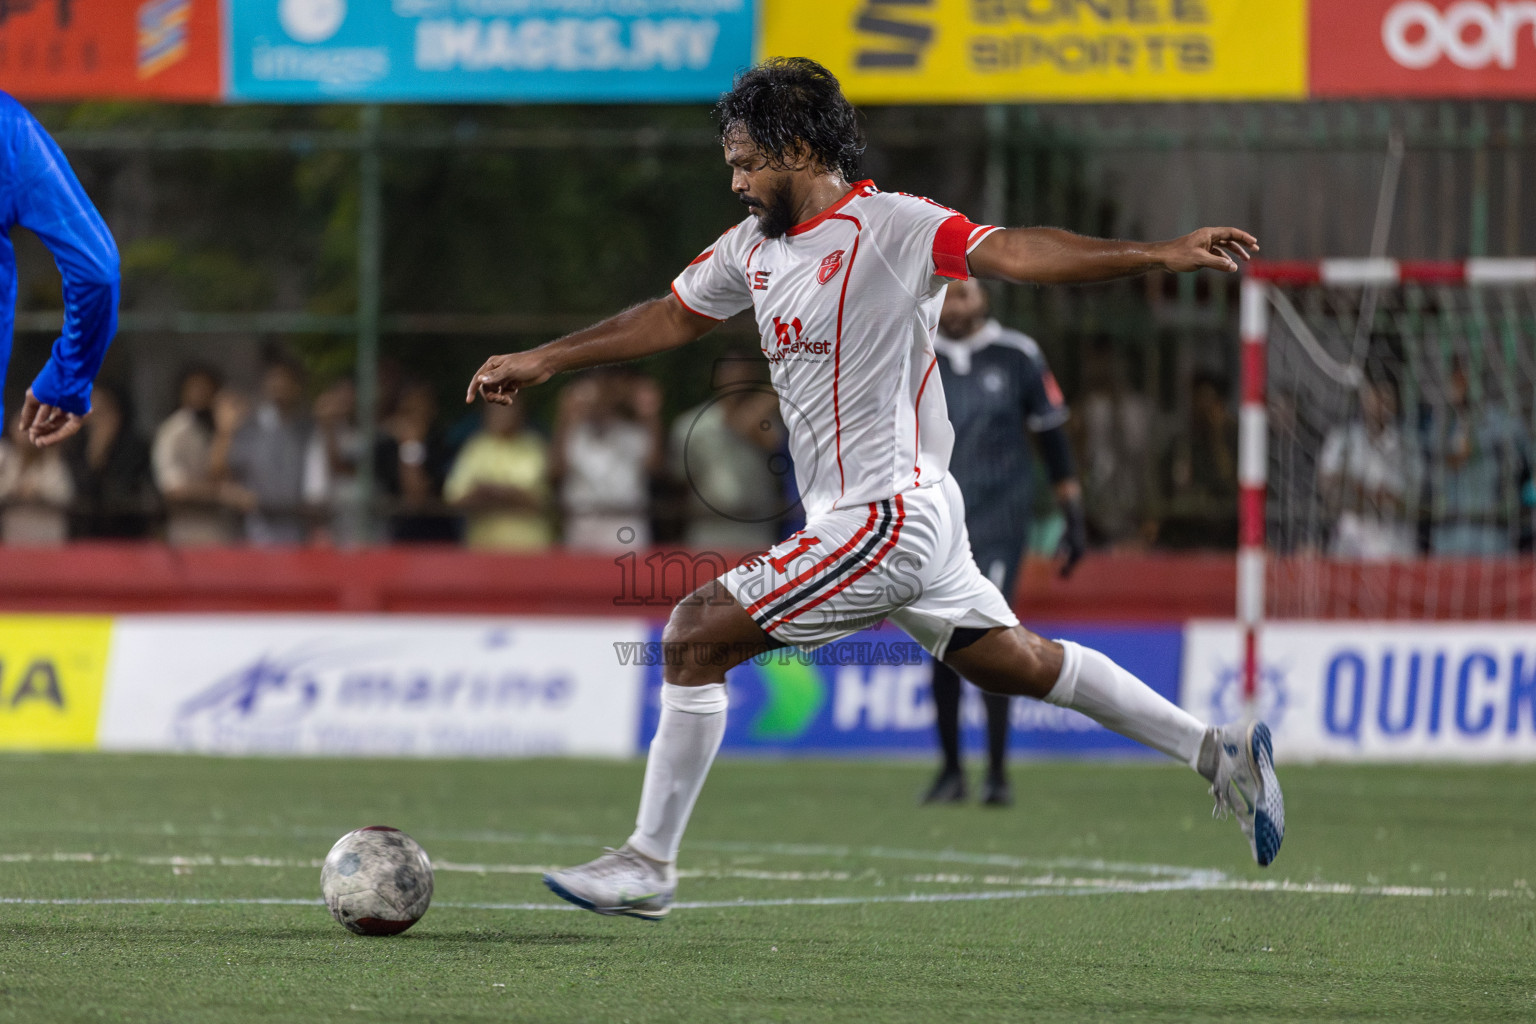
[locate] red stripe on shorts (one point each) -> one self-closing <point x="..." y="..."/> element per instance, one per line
<point x="890" y="542"/>
<point x="858" y="535"/>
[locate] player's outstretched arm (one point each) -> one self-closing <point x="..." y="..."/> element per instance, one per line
<point x="642" y="330"/>
<point x="47" y="198"/>
<point x="1053" y="256"/>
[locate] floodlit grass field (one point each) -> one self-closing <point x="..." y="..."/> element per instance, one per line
<point x="186" y="890"/>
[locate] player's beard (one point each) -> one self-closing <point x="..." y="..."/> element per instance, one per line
<point x="776" y="214"/>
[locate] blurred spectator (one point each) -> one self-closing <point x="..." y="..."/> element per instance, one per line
<point x="722" y="449"/>
<point x="410" y="462"/>
<point x="109" y="464"/>
<point x="1478" y="461"/>
<point x="1364" y="476"/>
<point x="1210" y="465"/>
<point x="264" y="453"/>
<point x="330" y="464"/>
<point x="181" y="458"/>
<point x="500" y="481"/>
<point x="35" y="491"/>
<point x="607" y="445"/>
<point x="1116" y="429"/>
<point x="1202" y="508"/>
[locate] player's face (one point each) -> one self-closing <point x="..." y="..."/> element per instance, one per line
<point x="762" y="188"/>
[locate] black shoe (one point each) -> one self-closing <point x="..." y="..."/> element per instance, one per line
<point x="948" y="788"/>
<point x="996" y="792"/>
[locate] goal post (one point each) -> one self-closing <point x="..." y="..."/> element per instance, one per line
<point x="1385" y="448"/>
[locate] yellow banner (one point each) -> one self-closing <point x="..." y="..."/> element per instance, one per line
<point x="51" y="674"/>
<point x="995" y="51"/>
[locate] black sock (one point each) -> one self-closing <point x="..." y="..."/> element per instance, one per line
<point x="997" y="733"/>
<point x="946" y="703"/>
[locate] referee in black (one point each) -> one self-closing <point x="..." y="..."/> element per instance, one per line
<point x="998" y="388"/>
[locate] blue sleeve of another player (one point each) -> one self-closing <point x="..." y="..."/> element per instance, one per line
<point x="1045" y="411"/>
<point x="1044" y="405"/>
<point x="47" y="199"/>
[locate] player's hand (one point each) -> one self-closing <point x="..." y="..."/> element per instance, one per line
<point x="1208" y="249"/>
<point x="501" y="377"/>
<point x="47" y="425"/>
<point x="1074" y="539"/>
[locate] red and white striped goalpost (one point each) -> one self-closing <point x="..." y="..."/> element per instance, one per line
<point x="1260" y="278"/>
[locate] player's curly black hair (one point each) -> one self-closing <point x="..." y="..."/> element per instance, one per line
<point x="785" y="100"/>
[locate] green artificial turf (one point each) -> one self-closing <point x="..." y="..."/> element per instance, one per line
<point x="1409" y="896"/>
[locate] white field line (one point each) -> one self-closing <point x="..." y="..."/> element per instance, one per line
<point x="209" y="861"/>
<point x="1098" y="888"/>
<point x="999" y="860"/>
<point x="187" y="862"/>
<point x="1167" y="878"/>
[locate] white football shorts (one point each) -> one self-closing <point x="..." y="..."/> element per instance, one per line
<point x="906" y="558"/>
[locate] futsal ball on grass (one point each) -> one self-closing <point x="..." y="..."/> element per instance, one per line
<point x="377" y="881"/>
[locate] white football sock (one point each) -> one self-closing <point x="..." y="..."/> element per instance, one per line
<point x="1092" y="683"/>
<point x="687" y="738"/>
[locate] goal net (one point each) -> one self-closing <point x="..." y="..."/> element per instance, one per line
<point x="1387" y="457"/>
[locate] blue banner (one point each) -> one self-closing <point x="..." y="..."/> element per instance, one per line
<point x="486" y="50"/>
<point x="872" y="694"/>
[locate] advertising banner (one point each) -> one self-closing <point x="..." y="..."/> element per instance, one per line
<point x="68" y="49"/>
<point x="396" y="686"/>
<point x="1443" y="48"/>
<point x="871" y="694"/>
<point x="973" y="51"/>
<point x="1355" y="691"/>
<point x="51" y="674"/>
<point x="469" y="50"/>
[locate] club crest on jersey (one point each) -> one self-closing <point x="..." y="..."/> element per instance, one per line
<point x="830" y="265"/>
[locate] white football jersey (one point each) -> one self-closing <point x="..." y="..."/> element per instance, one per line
<point x="847" y="304"/>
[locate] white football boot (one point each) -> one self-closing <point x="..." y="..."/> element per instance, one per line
<point x="1245" y="785"/>
<point x="620" y="882"/>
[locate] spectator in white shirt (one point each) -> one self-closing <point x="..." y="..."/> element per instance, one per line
<point x="1365" y="476"/>
<point x="198" y="507"/>
<point x="606" y="448"/>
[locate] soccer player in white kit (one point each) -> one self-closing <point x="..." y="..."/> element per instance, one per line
<point x="846" y="283"/>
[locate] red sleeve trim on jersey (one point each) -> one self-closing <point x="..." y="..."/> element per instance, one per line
<point x="949" y="248"/>
<point x="980" y="235"/>
<point x="684" y="303"/>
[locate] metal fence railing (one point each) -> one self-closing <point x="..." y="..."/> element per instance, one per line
<point x="429" y="236"/>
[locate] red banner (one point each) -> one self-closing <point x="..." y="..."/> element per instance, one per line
<point x="1444" y="48"/>
<point x="79" y="49"/>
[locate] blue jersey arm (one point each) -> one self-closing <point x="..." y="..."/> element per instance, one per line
<point x="46" y="198"/>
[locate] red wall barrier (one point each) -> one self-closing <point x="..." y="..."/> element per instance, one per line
<point x="154" y="578"/>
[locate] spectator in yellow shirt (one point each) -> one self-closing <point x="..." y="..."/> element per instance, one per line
<point x="500" y="481"/>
